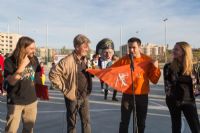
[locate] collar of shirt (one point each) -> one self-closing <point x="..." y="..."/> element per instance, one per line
<point x="77" y="59"/>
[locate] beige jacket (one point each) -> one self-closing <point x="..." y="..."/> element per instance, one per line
<point x="64" y="77"/>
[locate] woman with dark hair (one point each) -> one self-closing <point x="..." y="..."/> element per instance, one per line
<point x="179" y="81"/>
<point x="21" y="71"/>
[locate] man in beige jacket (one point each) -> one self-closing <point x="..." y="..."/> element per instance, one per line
<point x="70" y="77"/>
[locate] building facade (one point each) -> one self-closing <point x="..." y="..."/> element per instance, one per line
<point x="8" y="42"/>
<point x="45" y="54"/>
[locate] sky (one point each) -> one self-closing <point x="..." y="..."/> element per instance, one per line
<point x="54" y="23"/>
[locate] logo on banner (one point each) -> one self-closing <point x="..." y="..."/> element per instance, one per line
<point x="121" y="79"/>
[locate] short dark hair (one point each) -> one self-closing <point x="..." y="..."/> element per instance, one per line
<point x="135" y="39"/>
<point x="80" y="39"/>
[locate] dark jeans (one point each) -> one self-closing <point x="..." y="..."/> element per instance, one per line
<point x="127" y="108"/>
<point x="102" y="84"/>
<point x="114" y="94"/>
<point x="190" y="112"/>
<point x="78" y="106"/>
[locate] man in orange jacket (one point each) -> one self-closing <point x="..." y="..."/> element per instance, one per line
<point x="145" y="69"/>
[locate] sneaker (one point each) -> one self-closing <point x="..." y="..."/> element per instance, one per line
<point x="105" y="98"/>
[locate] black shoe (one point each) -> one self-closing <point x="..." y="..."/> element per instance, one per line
<point x="105" y="98"/>
<point x="115" y="99"/>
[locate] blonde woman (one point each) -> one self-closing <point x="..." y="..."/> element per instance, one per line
<point x="179" y="81"/>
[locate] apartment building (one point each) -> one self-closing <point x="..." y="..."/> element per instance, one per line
<point x="45" y="54"/>
<point x="153" y="49"/>
<point x="8" y="42"/>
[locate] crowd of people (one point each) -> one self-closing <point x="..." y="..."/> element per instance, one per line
<point x="21" y="71"/>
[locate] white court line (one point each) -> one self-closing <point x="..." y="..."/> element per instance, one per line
<point x="155" y="99"/>
<point x="107" y="103"/>
<point x="91" y="110"/>
<point x="2" y="113"/>
<point x="56" y="94"/>
<point x="159" y="105"/>
<point x="153" y="114"/>
<point x="2" y="102"/>
<point x="150" y="95"/>
<point x="2" y="121"/>
<point x="1" y="130"/>
<point x="98" y="93"/>
<point x="164" y="108"/>
<point x="183" y="125"/>
<point x="49" y="102"/>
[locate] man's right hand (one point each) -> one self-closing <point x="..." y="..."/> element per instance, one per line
<point x="23" y="64"/>
<point x="155" y="63"/>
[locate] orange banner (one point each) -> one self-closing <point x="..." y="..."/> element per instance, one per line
<point x="118" y="78"/>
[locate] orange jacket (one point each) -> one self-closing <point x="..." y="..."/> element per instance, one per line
<point x="144" y="70"/>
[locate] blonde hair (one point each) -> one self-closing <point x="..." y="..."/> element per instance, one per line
<point x="187" y="63"/>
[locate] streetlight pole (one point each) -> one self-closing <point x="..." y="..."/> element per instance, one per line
<point x="120" y="35"/>
<point x="46" y="49"/>
<point x="19" y="21"/>
<point x="85" y="29"/>
<point x="165" y="21"/>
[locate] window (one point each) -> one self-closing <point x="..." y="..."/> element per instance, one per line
<point x="10" y="37"/>
<point x="10" y="41"/>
